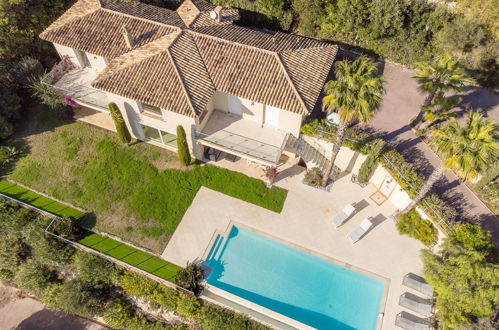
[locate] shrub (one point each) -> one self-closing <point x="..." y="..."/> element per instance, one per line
<point x="95" y="271"/>
<point x="121" y="128"/>
<point x="367" y="167"/>
<point x="464" y="277"/>
<point x="136" y="285"/>
<point x="33" y="277"/>
<point x="184" y="155"/>
<point x="118" y="314"/>
<point x="66" y="228"/>
<point x="188" y="305"/>
<point x="190" y="277"/>
<point x="6" y="128"/>
<point x="411" y="224"/>
<point x="8" y="154"/>
<point x="489" y="176"/>
<point x="313" y="177"/>
<point x="27" y="71"/>
<point x="48" y="96"/>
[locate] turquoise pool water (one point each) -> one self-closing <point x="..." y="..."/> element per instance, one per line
<point x="311" y="290"/>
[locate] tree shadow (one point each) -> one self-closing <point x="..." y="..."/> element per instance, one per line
<point x="475" y="97"/>
<point x="54" y="320"/>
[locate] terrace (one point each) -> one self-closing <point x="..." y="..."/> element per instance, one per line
<point x="252" y="141"/>
<point x="305" y="223"/>
<point x="75" y="83"/>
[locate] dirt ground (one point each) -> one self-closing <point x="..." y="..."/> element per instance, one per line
<point x="20" y="312"/>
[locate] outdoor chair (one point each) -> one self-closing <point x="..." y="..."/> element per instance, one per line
<point x="361" y="230"/>
<point x="416" y="304"/>
<point x="411" y="322"/>
<point x="344" y="214"/>
<point x="417" y="283"/>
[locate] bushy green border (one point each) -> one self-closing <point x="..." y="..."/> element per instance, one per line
<point x="411" y="224"/>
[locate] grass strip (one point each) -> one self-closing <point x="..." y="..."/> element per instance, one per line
<point x="30" y="197"/>
<point x="130" y="255"/>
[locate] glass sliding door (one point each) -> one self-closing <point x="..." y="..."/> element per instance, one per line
<point x="154" y="134"/>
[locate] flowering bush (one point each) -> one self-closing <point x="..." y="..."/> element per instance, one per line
<point x="60" y="69"/>
<point x="69" y="101"/>
<point x="270" y="173"/>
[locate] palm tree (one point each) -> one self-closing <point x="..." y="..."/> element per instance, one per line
<point x="355" y="95"/>
<point x="442" y="77"/>
<point x="467" y="150"/>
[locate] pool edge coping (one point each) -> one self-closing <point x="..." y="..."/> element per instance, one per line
<point x="233" y="223"/>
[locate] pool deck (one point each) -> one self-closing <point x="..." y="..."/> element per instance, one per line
<point x="304" y="223"/>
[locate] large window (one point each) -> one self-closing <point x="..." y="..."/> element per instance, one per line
<point x="150" y="108"/>
<point x="160" y="136"/>
<point x="82" y="58"/>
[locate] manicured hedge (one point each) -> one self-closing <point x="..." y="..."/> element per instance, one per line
<point x="368" y="166"/>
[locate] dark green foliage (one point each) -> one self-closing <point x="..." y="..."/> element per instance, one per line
<point x="464" y="277"/>
<point x="77" y="297"/>
<point x="118" y="314"/>
<point x="95" y="271"/>
<point x="10" y="104"/>
<point x="33" y="277"/>
<point x="307" y="12"/>
<point x="489" y="177"/>
<point x="313" y="177"/>
<point x="184" y="156"/>
<point x="27" y="71"/>
<point x="368" y="166"/>
<point x="48" y="96"/>
<point x="190" y="278"/>
<point x="216" y="318"/>
<point x="411" y="224"/>
<point x="121" y="128"/>
<point x="66" y="228"/>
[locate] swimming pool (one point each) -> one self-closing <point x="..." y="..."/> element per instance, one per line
<point x="309" y="289"/>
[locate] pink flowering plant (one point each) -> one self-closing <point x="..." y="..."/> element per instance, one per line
<point x="69" y="101"/>
<point x="59" y="70"/>
<point x="270" y="173"/>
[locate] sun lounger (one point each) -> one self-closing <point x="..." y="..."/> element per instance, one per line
<point x="409" y="321"/>
<point x="416" y="304"/>
<point x="417" y="283"/>
<point x="344" y="214"/>
<point x="360" y="231"/>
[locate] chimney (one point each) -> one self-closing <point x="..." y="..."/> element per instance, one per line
<point x="128" y="37"/>
<point x="218" y="10"/>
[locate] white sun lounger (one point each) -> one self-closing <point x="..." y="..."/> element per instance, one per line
<point x="344" y="214"/>
<point x="410" y="321"/>
<point x="416" y="304"/>
<point x="358" y="232"/>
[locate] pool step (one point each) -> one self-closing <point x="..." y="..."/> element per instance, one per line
<point x="215" y="251"/>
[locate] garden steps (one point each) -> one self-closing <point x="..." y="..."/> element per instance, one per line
<point x="306" y="151"/>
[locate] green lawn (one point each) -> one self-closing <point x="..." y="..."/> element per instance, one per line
<point x="131" y="256"/>
<point x="138" y="193"/>
<point x="39" y="201"/>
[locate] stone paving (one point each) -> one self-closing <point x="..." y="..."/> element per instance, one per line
<point x="305" y="222"/>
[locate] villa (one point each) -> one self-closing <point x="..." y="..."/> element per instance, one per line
<point x="236" y="90"/>
<point x="330" y="258"/>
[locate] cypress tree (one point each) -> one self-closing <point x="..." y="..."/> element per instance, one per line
<point x="183" y="149"/>
<point x="119" y="122"/>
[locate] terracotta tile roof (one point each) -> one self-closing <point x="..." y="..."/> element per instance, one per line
<point x="167" y="73"/>
<point x="248" y="73"/>
<point x="179" y="68"/>
<point x="142" y="10"/>
<point x="308" y="68"/>
<point x="100" y="33"/>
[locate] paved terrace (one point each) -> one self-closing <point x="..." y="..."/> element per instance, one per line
<point x="304" y="221"/>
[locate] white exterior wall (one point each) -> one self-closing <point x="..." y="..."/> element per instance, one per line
<point x="66" y="51"/>
<point x="97" y="62"/>
<point x="398" y="196"/>
<point x="288" y="122"/>
<point x="130" y="110"/>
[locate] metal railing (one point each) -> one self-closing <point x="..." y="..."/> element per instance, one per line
<point x="243" y="145"/>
